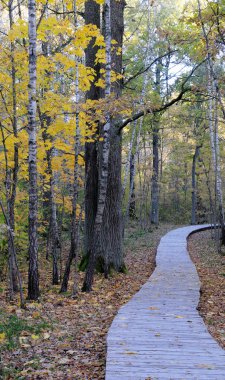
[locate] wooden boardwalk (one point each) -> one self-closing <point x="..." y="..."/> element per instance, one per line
<point x="159" y="334"/>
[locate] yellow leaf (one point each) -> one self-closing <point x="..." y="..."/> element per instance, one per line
<point x="35" y="337"/>
<point x="2" y="337"/>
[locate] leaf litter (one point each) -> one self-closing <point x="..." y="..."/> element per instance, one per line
<point x="210" y="266"/>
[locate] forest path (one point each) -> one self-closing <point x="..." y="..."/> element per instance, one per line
<point x="159" y="334"/>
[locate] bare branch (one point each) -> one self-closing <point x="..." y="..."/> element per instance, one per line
<point x="143" y="70"/>
<point x="164" y="106"/>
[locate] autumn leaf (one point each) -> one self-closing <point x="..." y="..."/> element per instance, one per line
<point x="2" y="337"/>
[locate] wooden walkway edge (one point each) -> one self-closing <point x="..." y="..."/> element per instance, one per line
<point x="159" y="334"/>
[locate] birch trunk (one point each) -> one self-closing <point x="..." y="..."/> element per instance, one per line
<point x="154" y="213"/>
<point x="194" y="188"/>
<point x="33" y="277"/>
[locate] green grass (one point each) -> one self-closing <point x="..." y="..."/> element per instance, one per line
<point x="10" y="373"/>
<point x="12" y="326"/>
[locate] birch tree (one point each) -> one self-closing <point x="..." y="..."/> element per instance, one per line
<point x="33" y="276"/>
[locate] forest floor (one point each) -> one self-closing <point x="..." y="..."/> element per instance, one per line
<point x="62" y="338"/>
<point x="65" y="338"/>
<point x="211" y="269"/>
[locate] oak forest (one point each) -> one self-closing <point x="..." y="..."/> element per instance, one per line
<point x="112" y="130"/>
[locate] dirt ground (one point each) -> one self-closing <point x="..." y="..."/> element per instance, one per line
<point x="211" y="269"/>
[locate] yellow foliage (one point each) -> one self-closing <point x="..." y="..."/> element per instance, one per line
<point x="19" y="30"/>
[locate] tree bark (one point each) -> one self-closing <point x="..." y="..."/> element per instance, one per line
<point x="12" y="178"/>
<point x="111" y="254"/>
<point x="154" y="213"/>
<point x="112" y="227"/>
<point x="33" y="277"/>
<point x="96" y="244"/>
<point x="194" y="188"/>
<point x="132" y="204"/>
<point x="92" y="16"/>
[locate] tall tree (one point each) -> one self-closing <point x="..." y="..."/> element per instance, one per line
<point x="96" y="245"/>
<point x="33" y="276"/>
<point x="112" y="252"/>
<point x="92" y="16"/>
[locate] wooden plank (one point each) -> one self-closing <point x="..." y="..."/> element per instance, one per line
<point x="159" y="334"/>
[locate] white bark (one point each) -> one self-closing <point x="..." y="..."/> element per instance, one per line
<point x="33" y="281"/>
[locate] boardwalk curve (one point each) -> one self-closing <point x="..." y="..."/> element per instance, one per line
<point x="159" y="334"/>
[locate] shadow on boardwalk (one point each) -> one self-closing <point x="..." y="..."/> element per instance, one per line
<point x="159" y="334"/>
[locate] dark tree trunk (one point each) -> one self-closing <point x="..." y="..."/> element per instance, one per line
<point x="111" y="254"/>
<point x="96" y="243"/>
<point x="92" y="16"/>
<point x="132" y="205"/>
<point x="67" y="271"/>
<point x="13" y="179"/>
<point x="111" y="234"/>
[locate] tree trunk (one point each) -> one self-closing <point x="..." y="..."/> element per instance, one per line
<point x="96" y="244"/>
<point x="111" y="254"/>
<point x="194" y="189"/>
<point x="33" y="277"/>
<point x="112" y="227"/>
<point x="127" y="167"/>
<point x="132" y="204"/>
<point x="22" y="303"/>
<point x="92" y="16"/>
<point x="12" y="178"/>
<point x="74" y="222"/>
<point x="154" y="213"/>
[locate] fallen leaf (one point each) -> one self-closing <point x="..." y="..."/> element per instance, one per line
<point x="2" y="337"/>
<point x="35" y="337"/>
<point x="64" y="360"/>
<point x="46" y="335"/>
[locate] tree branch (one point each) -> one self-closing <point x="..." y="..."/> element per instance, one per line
<point x="143" y="70"/>
<point x="164" y="106"/>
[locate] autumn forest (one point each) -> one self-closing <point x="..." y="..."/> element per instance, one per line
<point x="111" y="133"/>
